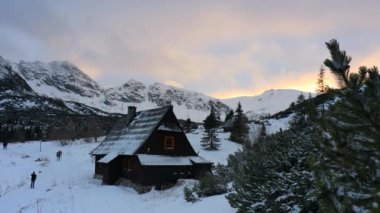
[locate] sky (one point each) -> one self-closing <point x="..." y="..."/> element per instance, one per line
<point x="220" y="48"/>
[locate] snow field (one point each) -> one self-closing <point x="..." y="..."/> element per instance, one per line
<point x="68" y="185"/>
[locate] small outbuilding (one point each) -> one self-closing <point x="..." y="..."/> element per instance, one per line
<point x="227" y="127"/>
<point x="149" y="148"/>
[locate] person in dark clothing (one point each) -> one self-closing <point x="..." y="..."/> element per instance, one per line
<point x="33" y="179"/>
<point x="59" y="154"/>
<point x="5" y="144"/>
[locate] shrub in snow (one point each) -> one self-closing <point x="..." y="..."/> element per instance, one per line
<point x="207" y="186"/>
<point x="210" y="185"/>
<point x="190" y="195"/>
<point x="273" y="173"/>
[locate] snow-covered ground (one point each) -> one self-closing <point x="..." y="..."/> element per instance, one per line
<point x="275" y="125"/>
<point x="68" y="185"/>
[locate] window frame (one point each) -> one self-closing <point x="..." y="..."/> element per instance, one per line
<point x="169" y="143"/>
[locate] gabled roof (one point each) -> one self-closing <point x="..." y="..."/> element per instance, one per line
<point x="127" y="138"/>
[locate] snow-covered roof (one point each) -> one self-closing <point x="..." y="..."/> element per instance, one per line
<point x="162" y="160"/>
<point x="169" y="127"/>
<point x="108" y="158"/>
<point x="199" y="160"/>
<point x="127" y="138"/>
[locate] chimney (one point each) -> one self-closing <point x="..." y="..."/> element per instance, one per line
<point x="131" y="113"/>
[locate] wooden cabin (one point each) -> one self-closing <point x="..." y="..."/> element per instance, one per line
<point x="149" y="148"/>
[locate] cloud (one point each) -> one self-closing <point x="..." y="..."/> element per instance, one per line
<point x="173" y="83"/>
<point x="221" y="48"/>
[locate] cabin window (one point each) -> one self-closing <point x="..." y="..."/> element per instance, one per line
<point x="128" y="164"/>
<point x="169" y="142"/>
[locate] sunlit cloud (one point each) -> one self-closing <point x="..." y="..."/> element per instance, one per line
<point x="220" y="48"/>
<point x="173" y="83"/>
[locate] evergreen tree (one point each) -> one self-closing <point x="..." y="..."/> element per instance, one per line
<point x="321" y="85"/>
<point x="263" y="131"/>
<point x="349" y="139"/>
<point x="188" y="125"/>
<point x="210" y="140"/>
<point x="240" y="129"/>
<point x="300" y="99"/>
<point x="229" y="115"/>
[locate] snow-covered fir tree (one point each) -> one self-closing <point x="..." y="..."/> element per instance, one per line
<point x="240" y="129"/>
<point x="210" y="140"/>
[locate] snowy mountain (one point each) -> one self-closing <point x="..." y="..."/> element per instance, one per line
<point x="25" y="115"/>
<point x="58" y="79"/>
<point x="131" y="92"/>
<point x="267" y="103"/>
<point x="63" y="80"/>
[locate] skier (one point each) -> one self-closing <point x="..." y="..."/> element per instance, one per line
<point x="5" y="144"/>
<point x="33" y="179"/>
<point x="59" y="154"/>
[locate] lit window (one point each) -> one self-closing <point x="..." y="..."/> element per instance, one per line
<point x="169" y="142"/>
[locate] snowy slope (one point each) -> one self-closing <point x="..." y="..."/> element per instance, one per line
<point x="269" y="102"/>
<point x="60" y="188"/>
<point x="11" y="82"/>
<point x="58" y="79"/>
<point x="63" y="80"/>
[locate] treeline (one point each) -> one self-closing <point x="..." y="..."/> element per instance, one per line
<point x="61" y="128"/>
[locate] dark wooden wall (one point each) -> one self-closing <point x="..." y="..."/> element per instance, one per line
<point x="160" y="175"/>
<point x="98" y="166"/>
<point x="112" y="171"/>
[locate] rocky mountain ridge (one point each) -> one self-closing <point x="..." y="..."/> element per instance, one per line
<point x="65" y="81"/>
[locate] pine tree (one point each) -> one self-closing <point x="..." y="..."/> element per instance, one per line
<point x="187" y="125"/>
<point x="300" y="99"/>
<point x="240" y="129"/>
<point x="321" y="85"/>
<point x="229" y="115"/>
<point x="349" y="139"/>
<point x="210" y="140"/>
<point x="263" y="131"/>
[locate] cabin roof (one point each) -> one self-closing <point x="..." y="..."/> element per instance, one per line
<point x="126" y="139"/>
<point x="108" y="158"/>
<point x="163" y="160"/>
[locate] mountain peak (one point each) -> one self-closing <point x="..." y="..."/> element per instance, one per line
<point x="132" y="82"/>
<point x="269" y="102"/>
